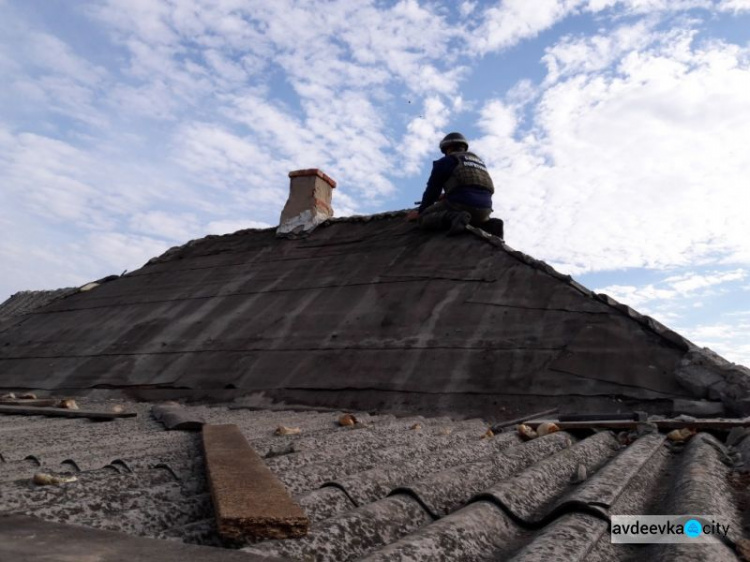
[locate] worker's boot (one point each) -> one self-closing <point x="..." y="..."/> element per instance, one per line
<point x="494" y="226"/>
<point x="459" y="222"/>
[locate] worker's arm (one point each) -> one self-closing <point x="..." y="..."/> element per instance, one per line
<point x="441" y="173"/>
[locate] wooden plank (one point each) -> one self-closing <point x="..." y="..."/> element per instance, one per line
<point x="249" y="501"/>
<point x="700" y="424"/>
<point x="64" y="413"/>
<point x="497" y="428"/>
<point x="33" y="403"/>
<point x="629" y="416"/>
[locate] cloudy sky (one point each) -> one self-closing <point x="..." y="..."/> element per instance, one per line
<point x="617" y="132"/>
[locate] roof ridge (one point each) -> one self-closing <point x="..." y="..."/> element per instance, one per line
<point x="174" y="250"/>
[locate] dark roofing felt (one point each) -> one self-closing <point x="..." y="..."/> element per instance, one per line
<point x="383" y="491"/>
<point x="362" y="305"/>
<point x="23" y="302"/>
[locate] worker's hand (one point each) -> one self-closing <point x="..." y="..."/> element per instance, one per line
<point x="412" y="215"/>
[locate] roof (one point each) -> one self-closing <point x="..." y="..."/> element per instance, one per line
<point x="28" y="539"/>
<point x="365" y="311"/>
<point x="390" y="488"/>
<point x="24" y="302"/>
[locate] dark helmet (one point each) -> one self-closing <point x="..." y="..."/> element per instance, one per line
<point x="453" y="138"/>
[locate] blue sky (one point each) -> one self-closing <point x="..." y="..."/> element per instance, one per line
<point x="616" y="132"/>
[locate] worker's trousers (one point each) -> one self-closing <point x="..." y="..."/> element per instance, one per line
<point x="439" y="216"/>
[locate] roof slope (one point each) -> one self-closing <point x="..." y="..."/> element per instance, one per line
<point x="390" y="489"/>
<point x="362" y="305"/>
<point x="23" y="302"/>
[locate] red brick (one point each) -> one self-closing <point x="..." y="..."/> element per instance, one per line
<point x="313" y="172"/>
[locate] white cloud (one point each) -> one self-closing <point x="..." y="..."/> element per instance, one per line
<point x="421" y="133"/>
<point x="688" y="285"/>
<point x="641" y="167"/>
<point x="228" y="226"/>
<point x="143" y="18"/>
<point x="637" y="296"/>
<point x="575" y="55"/>
<point x="42" y="74"/>
<point x="650" y="6"/>
<point x="691" y="282"/>
<point x="739" y="314"/>
<point x="511" y="21"/>
<point x="40" y="257"/>
<point x="734" y="6"/>
<point x="241" y="167"/>
<point x="409" y="40"/>
<point x="70" y="214"/>
<point x="344" y="204"/>
<point x="167" y="225"/>
<point x="340" y="58"/>
<point x="111" y="251"/>
<point x="466" y="8"/>
<point x="47" y="176"/>
<point x="714" y="332"/>
<point x="728" y="340"/>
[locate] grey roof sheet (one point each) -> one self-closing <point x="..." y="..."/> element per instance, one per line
<point x="27" y="539"/>
<point x="390" y="489"/>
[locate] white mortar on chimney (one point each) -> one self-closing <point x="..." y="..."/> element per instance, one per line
<point x="309" y="203"/>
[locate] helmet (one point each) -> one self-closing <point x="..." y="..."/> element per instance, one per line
<point x="453" y="138"/>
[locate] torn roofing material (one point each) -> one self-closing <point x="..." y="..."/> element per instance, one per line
<point x="363" y="305"/>
<point x="386" y="489"/>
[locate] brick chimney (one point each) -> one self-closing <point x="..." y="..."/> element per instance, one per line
<point x="309" y="203"/>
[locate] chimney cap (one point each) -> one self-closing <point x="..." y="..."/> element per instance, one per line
<point x="313" y="172"/>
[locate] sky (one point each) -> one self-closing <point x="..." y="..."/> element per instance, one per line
<point x="616" y="132"/>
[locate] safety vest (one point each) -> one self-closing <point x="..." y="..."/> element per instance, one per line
<point x="470" y="170"/>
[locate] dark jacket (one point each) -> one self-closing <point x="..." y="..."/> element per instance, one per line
<point x="465" y="179"/>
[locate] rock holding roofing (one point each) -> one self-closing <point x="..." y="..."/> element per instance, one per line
<point x="699" y="408"/>
<point x="362" y="308"/>
<point x="707" y="375"/>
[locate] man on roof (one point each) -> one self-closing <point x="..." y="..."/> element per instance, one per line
<point x="467" y="187"/>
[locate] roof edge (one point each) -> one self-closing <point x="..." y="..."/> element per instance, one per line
<point x="702" y="372"/>
<point x="642" y="319"/>
<point x="174" y="251"/>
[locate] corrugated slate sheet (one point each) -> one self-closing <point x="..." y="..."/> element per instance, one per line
<point x="362" y="306"/>
<point x="388" y="489"/>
